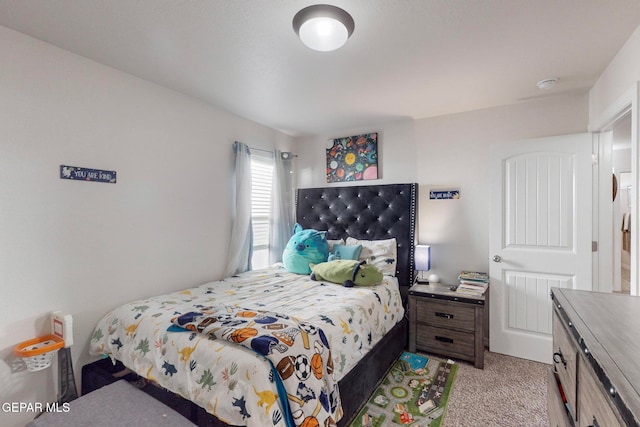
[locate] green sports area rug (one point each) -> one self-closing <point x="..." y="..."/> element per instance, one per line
<point x="414" y="392"/>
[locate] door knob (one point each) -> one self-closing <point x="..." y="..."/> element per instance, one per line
<point x="496" y="258"/>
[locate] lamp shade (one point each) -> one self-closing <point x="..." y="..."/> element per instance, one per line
<point x="423" y="257"/>
<point x="323" y="27"/>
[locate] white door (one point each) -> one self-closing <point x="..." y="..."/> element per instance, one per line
<point x="540" y="237"/>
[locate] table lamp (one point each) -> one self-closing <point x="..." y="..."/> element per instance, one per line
<point x="423" y="262"/>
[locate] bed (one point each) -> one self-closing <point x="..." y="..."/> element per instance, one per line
<point x="357" y="332"/>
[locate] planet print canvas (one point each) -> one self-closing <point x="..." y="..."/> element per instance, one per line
<point x="352" y="158"/>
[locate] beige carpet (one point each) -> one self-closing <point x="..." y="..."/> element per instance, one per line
<point x="507" y="392"/>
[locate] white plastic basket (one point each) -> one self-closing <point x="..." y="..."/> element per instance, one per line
<point x="38" y="353"/>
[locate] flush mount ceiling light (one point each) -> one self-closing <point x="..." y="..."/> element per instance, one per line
<point x="323" y="27"/>
<point x="547" y="84"/>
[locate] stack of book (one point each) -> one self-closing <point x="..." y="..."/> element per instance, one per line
<point x="473" y="282"/>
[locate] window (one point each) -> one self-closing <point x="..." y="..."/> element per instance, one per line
<point x="261" y="182"/>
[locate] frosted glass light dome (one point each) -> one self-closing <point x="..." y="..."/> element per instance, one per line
<point x="323" y="34"/>
<point x="323" y="27"/>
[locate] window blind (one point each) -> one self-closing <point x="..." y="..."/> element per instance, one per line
<point x="261" y="182"/>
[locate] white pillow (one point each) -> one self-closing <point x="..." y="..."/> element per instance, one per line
<point x="381" y="253"/>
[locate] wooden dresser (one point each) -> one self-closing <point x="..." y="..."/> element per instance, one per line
<point x="596" y="360"/>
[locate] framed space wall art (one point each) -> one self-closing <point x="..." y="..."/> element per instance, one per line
<point x="352" y="158"/>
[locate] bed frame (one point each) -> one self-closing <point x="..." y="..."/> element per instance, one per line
<point x="372" y="212"/>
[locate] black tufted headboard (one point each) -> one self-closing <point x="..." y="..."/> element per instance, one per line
<point x="367" y="212"/>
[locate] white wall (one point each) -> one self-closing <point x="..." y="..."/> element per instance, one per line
<point x="620" y="75"/>
<point x="454" y="152"/>
<point x="85" y="247"/>
<point x="396" y="145"/>
<point x="617" y="85"/>
<point x="451" y="152"/>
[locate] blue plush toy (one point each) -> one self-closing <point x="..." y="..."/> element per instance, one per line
<point x="305" y="247"/>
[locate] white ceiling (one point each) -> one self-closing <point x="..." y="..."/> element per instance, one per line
<point x="405" y="59"/>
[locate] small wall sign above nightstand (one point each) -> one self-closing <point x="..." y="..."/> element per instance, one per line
<point x="444" y="194"/>
<point x="85" y="174"/>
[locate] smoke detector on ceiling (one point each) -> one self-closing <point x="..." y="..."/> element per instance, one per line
<point x="547" y="84"/>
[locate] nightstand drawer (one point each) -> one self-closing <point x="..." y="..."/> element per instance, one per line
<point x="445" y="341"/>
<point x="446" y="314"/>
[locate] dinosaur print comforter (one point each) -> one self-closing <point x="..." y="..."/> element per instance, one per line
<point x="298" y="350"/>
<point x="235" y="383"/>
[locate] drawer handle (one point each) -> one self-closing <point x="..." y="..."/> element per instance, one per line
<point x="558" y="357"/>
<point x="444" y="339"/>
<point x="445" y="315"/>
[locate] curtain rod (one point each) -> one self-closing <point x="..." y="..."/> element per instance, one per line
<point x="285" y="154"/>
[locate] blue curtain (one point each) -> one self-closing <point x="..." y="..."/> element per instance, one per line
<point x="282" y="205"/>
<point x="240" y="248"/>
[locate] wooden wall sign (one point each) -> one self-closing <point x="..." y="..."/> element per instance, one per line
<point x="85" y="174"/>
<point x="444" y="194"/>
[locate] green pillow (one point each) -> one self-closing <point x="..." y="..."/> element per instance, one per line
<point x="347" y="272"/>
<point x="345" y="251"/>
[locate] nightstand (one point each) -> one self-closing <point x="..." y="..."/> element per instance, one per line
<point x="446" y="322"/>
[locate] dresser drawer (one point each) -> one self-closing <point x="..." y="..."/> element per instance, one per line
<point x="446" y="314"/>
<point x="558" y="416"/>
<point x="594" y="406"/>
<point x="446" y="341"/>
<point x="565" y="354"/>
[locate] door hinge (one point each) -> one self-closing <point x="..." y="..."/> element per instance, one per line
<point x="594" y="159"/>
<point x="594" y="246"/>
